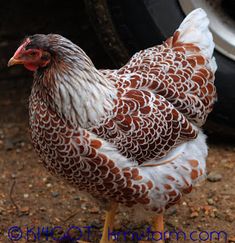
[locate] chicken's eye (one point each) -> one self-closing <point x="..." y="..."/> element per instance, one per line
<point x="33" y="53"/>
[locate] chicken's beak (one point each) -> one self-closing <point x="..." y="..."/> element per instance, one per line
<point x="14" y="61"/>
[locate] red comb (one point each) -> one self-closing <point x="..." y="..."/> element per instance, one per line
<point x="26" y="42"/>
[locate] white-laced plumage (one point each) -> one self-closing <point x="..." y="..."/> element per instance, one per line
<point x="130" y="136"/>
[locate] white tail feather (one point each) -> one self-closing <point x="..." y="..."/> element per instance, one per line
<point x="194" y="29"/>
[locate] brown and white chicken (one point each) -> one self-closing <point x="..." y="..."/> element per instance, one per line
<point x="130" y="136"/>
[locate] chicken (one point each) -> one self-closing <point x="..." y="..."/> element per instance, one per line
<point x="130" y="136"/>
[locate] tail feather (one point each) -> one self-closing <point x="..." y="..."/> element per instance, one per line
<point x="195" y="30"/>
<point x="194" y="39"/>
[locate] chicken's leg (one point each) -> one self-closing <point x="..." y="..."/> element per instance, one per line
<point x="159" y="226"/>
<point x="108" y="225"/>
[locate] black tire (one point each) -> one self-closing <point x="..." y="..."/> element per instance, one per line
<point x="143" y="23"/>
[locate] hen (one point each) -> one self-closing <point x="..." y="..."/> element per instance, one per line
<point x="129" y="136"/>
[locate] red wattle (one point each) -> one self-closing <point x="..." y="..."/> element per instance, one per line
<point x="31" y="67"/>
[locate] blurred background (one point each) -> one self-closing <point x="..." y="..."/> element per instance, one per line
<point x="109" y="31"/>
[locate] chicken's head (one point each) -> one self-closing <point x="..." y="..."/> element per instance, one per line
<point x="31" y="54"/>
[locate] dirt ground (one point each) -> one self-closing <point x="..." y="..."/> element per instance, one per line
<point x="31" y="199"/>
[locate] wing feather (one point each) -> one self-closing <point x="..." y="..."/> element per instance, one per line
<point x="165" y="94"/>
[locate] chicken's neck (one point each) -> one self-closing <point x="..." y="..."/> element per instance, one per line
<point x="80" y="94"/>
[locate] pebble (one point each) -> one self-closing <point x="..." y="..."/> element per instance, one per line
<point x="194" y="215"/>
<point x="1" y="210"/>
<point x="22" y="144"/>
<point x="199" y="227"/>
<point x="83" y="206"/>
<point x="214" y="177"/>
<point x="210" y="201"/>
<point x="219" y="215"/>
<point x="76" y="198"/>
<point x="230" y="217"/>
<point x="24" y="210"/>
<point x="224" y="161"/>
<point x="15" y="142"/>
<point x="94" y="210"/>
<point x="43" y="209"/>
<point x="49" y="185"/>
<point x="97" y="224"/>
<point x="211" y="194"/>
<point x="171" y="211"/>
<point x="26" y="195"/>
<point x="55" y="194"/>
<point x="231" y="240"/>
<point x="8" y="145"/>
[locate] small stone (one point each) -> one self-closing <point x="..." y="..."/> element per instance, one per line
<point x="213" y="213"/>
<point x="219" y="215"/>
<point x="94" y="210"/>
<point x="1" y="210"/>
<point x="26" y="195"/>
<point x="171" y="211"/>
<point x="29" y="147"/>
<point x="210" y="201"/>
<point x="18" y="150"/>
<point x="194" y="215"/>
<point x="96" y="224"/>
<point x="57" y="219"/>
<point x="49" y="185"/>
<point x="22" y="144"/>
<point x="207" y="209"/>
<point x="24" y="210"/>
<point x="199" y="227"/>
<point x="211" y="194"/>
<point x="231" y="240"/>
<point x="229" y="166"/>
<point x="230" y="217"/>
<point x="43" y="209"/>
<point x="72" y="190"/>
<point x="76" y="197"/>
<point x="195" y="209"/>
<point x="83" y="206"/>
<point x="55" y="194"/>
<point x="8" y="145"/>
<point x="214" y="177"/>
